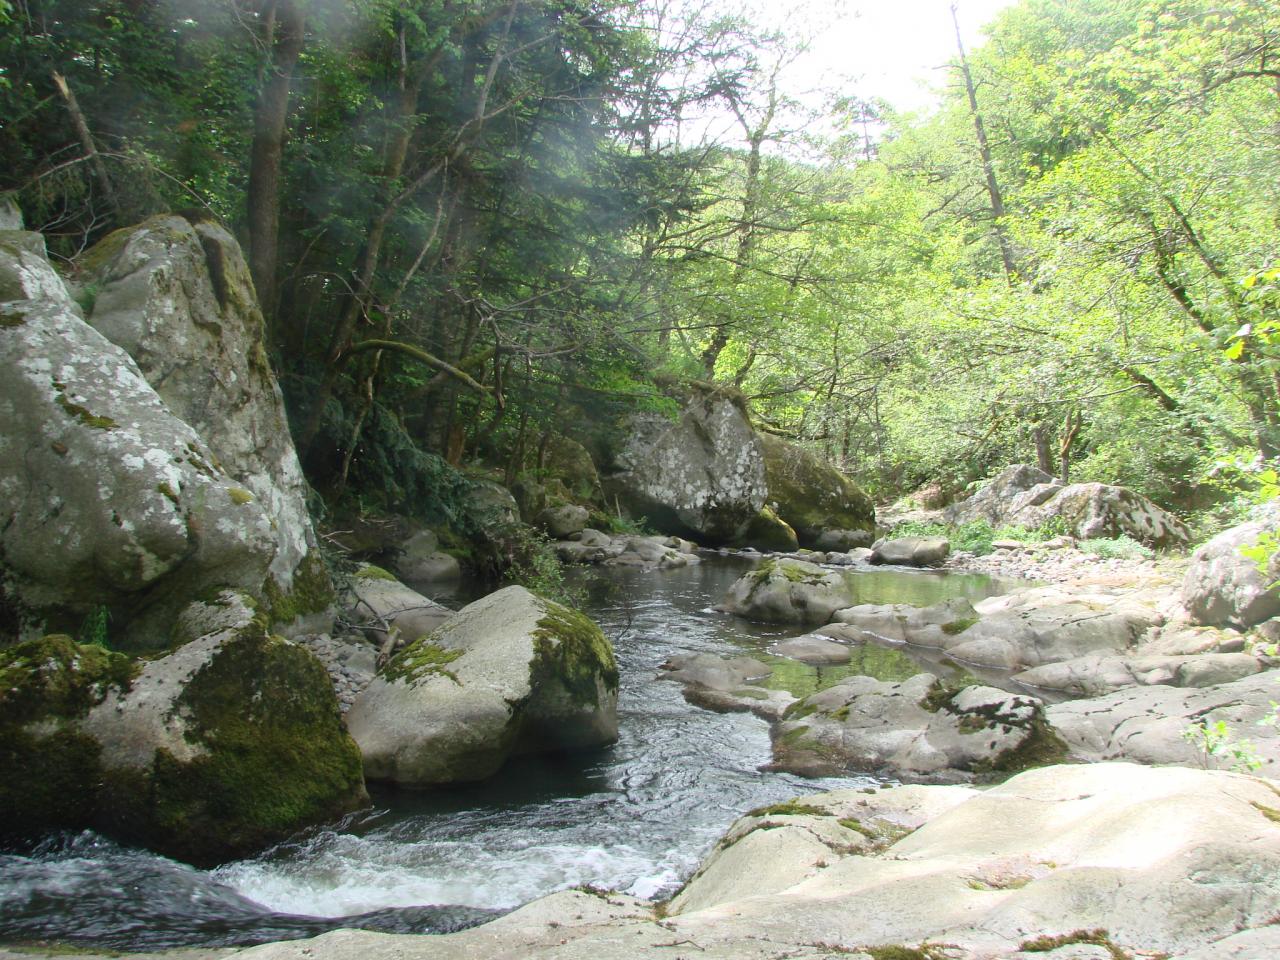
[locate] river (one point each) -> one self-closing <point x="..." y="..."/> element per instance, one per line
<point x="636" y="817"/>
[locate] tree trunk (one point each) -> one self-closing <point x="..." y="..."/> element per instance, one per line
<point x="988" y="168"/>
<point x="286" y="30"/>
<point x="1044" y="459"/>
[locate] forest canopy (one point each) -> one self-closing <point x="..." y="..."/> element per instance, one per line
<point x="471" y="222"/>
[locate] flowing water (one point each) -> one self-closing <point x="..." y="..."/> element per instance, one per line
<point x="637" y="816"/>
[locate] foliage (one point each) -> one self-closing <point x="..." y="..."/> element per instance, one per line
<point x="1116" y="548"/>
<point x="1215" y="742"/>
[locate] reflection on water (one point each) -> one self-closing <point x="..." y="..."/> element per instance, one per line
<point x="637" y="816"/>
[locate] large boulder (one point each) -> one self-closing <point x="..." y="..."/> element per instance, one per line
<point x="812" y="496"/>
<point x="1223" y="586"/>
<point x="177" y="296"/>
<point x="992" y="501"/>
<point x="510" y="673"/>
<point x="1028" y="497"/>
<point x="915" y="730"/>
<point x="108" y="500"/>
<point x="222" y="747"/>
<point x="388" y="612"/>
<point x="790" y="591"/>
<point x="701" y="475"/>
<point x="768" y="531"/>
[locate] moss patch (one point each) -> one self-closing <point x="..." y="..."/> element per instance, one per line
<point x="900" y="952"/>
<point x="1100" y="938"/>
<point x="789" y="808"/>
<point x="370" y="571"/>
<point x="239" y="496"/>
<point x="1270" y="813"/>
<point x="48" y="773"/>
<point x="311" y="592"/>
<point x="421" y="658"/>
<point x="958" y="626"/>
<point x="569" y="649"/>
<point x="278" y="757"/>
<point x="80" y="413"/>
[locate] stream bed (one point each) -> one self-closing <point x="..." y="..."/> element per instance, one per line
<point x="637" y="816"/>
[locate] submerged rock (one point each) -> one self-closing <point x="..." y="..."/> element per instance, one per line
<point x="700" y="476"/>
<point x="916" y="730"/>
<point x="510" y="673"/>
<point x="789" y="591"/>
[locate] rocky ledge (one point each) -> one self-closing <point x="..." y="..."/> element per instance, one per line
<point x="1062" y="863"/>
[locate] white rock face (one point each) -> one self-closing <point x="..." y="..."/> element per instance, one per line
<point x="507" y="673"/>
<point x="107" y="498"/>
<point x="701" y="476"/>
<point x="179" y="300"/>
<point x="1168" y="861"/>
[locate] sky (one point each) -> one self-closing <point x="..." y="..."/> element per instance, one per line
<point x="892" y="50"/>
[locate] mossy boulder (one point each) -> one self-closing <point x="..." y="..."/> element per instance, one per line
<point x="510" y="673"/>
<point x="810" y="494"/>
<point x="228" y="744"/>
<point x="790" y="591"/>
<point x="177" y="296"/>
<point x="48" y="766"/>
<point x="768" y="531"/>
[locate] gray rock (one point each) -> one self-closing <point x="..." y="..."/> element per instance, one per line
<point x="492" y="505"/>
<point x="1029" y="638"/>
<point x="1091" y="510"/>
<point x="843" y="540"/>
<point x="130" y="510"/>
<point x="915" y="730"/>
<point x="992" y="501"/>
<point x="813" y="648"/>
<point x="727" y="684"/>
<point x="180" y="301"/>
<point x="701" y="476"/>
<point x="1223" y="586"/>
<point x="509" y="673"/>
<point x="421" y="560"/>
<point x="10" y="213"/>
<point x="27" y="274"/>
<point x="387" y="610"/>
<point x="1096" y="675"/>
<point x="932" y="626"/>
<point x="789" y="591"/>
<point x="561" y="523"/>
<point x="911" y="551"/>
<point x="1149" y="724"/>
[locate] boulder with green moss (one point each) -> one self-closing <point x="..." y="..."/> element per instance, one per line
<point x="387" y="611"/>
<point x="814" y="497"/>
<point x="916" y="730"/>
<point x="177" y="296"/>
<point x="226" y="745"/>
<point x="768" y="531"/>
<point x="511" y="673"/>
<point x="790" y="591"/>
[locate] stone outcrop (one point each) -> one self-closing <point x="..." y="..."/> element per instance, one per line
<point x="178" y="298"/>
<point x="768" y="531"/>
<point x="388" y="612"/>
<point x="158" y="442"/>
<point x="727" y="685"/>
<point x="1072" y="862"/>
<point x="419" y="559"/>
<point x="790" y="591"/>
<point x="509" y="673"/>
<point x="917" y="730"/>
<point x="1223" y="586"/>
<point x="1096" y="675"/>
<point x="1027" y="497"/>
<point x="229" y="743"/>
<point x="701" y="475"/>
<point x="1150" y="724"/>
<point x="647" y="553"/>
<point x="814" y="498"/>
<point x="562" y="523"/>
